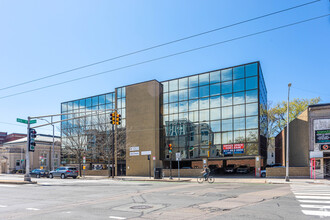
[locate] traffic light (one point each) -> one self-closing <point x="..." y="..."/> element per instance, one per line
<point x="32" y="142"/>
<point x="113" y="118"/>
<point x="170" y="148"/>
<point x="118" y="119"/>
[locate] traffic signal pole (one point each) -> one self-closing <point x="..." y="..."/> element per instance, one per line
<point x="27" y="176"/>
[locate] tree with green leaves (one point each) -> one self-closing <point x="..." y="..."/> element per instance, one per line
<point x="277" y="115"/>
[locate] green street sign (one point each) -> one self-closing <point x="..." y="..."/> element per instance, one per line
<point x="25" y="121"/>
<point x="21" y="120"/>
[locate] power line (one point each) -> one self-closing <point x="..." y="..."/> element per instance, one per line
<point x="167" y="56"/>
<point x="310" y="91"/>
<point x="160" y="45"/>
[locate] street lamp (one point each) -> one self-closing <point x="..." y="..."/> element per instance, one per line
<point x="287" y="138"/>
<point x="53" y="151"/>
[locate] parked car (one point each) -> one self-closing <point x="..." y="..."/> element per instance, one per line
<point x="263" y="173"/>
<point x="243" y="169"/>
<point x="64" y="172"/>
<point x="39" y="173"/>
<point x="230" y="168"/>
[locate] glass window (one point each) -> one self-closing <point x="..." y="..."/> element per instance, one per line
<point x="251" y="83"/>
<point x="217" y="138"/>
<point x="215" y="114"/>
<point x="215" y="89"/>
<point x="95" y="101"/>
<point x="173" y="108"/>
<point x="227" y="125"/>
<point x="252" y="96"/>
<point x="108" y="98"/>
<point x="215" y="126"/>
<point x="82" y="103"/>
<point x="215" y="101"/>
<point x="165" y="86"/>
<point x="118" y="103"/>
<point x="183" y="116"/>
<point x="227" y="112"/>
<point x="226" y="75"/>
<point x="165" y="119"/>
<point x="227" y="137"/>
<point x="204" y="103"/>
<point x="252" y="135"/>
<point x="239" y="85"/>
<point x="239" y="123"/>
<point x="227" y="100"/>
<point x="204" y="79"/>
<point x="173" y="96"/>
<point x="239" y="136"/>
<point x="64" y="107"/>
<point x="76" y="104"/>
<point x="204" y="91"/>
<point x="193" y="105"/>
<point x="239" y="72"/>
<point x="70" y="106"/>
<point x="165" y="97"/>
<point x="88" y="102"/>
<point x="173" y="117"/>
<point x="183" y="83"/>
<point x="251" y="109"/>
<point x="251" y="69"/>
<point x="252" y="122"/>
<point x="183" y="106"/>
<point x="165" y="109"/>
<point x="123" y="92"/>
<point x="102" y="99"/>
<point x="226" y="87"/>
<point x="239" y="98"/>
<point x="251" y="149"/>
<point x="193" y="81"/>
<point x="239" y="111"/>
<point x="204" y="116"/>
<point x="173" y="85"/>
<point x="215" y="77"/>
<point x="193" y="93"/>
<point x="193" y="116"/>
<point x="118" y="93"/>
<point x="183" y="95"/>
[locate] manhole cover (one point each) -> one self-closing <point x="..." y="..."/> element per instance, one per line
<point x="141" y="207"/>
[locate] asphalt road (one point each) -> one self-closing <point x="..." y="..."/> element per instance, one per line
<point x="113" y="199"/>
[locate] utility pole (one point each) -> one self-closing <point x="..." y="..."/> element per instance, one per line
<point x="27" y="176"/>
<point x="287" y="138"/>
<point x="113" y="152"/>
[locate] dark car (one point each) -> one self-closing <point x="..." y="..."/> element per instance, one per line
<point x="39" y="173"/>
<point x="230" y="168"/>
<point x="64" y="172"/>
<point x="243" y="169"/>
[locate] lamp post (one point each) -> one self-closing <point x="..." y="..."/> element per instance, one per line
<point x="53" y="151"/>
<point x="287" y="138"/>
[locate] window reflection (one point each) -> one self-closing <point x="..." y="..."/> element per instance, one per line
<point x="252" y="135"/>
<point x="226" y="87"/>
<point x="215" y="89"/>
<point x="227" y="112"/>
<point x="193" y="93"/>
<point x="239" y="110"/>
<point x="239" y="136"/>
<point x="252" y="96"/>
<point x="227" y="125"/>
<point x="215" y="114"/>
<point x="204" y="91"/>
<point x="239" y="85"/>
<point x="173" y="96"/>
<point x="215" y="126"/>
<point x="193" y="105"/>
<point x="183" y="106"/>
<point x="226" y="74"/>
<point x="239" y="72"/>
<point x="239" y="123"/>
<point x="173" y="108"/>
<point x="215" y="77"/>
<point x="204" y="116"/>
<point x="251" y="69"/>
<point x="183" y="94"/>
<point x="165" y="97"/>
<point x="193" y="81"/>
<point x="183" y="83"/>
<point x="204" y="103"/>
<point x="215" y="101"/>
<point x="251" y="109"/>
<point x="252" y="122"/>
<point x="251" y="83"/>
<point x="227" y="137"/>
<point x="173" y="85"/>
<point x="227" y="100"/>
<point x="204" y="79"/>
<point x="239" y="98"/>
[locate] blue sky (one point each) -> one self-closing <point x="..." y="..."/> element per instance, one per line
<point x="39" y="38"/>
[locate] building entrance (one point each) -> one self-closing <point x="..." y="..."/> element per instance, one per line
<point x="326" y="168"/>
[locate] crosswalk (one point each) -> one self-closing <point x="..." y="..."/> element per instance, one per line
<point x="314" y="199"/>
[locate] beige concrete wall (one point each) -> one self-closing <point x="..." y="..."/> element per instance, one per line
<point x="142" y="126"/>
<point x="183" y="172"/>
<point x="293" y="171"/>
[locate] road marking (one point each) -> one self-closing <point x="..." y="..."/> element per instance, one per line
<point x="116" y="217"/>
<point x="10" y="186"/>
<point x="32" y="209"/>
<point x="314" y="201"/>
<point x="313" y="197"/>
<point x="318" y="213"/>
<point x="316" y="206"/>
<point x="3" y="206"/>
<point x="313" y="194"/>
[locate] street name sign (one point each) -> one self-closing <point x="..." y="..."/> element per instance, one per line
<point x="135" y="153"/>
<point x="178" y="156"/>
<point x="145" y="152"/>
<point x="25" y="121"/>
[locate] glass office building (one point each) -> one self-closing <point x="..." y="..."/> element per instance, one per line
<point x="216" y="114"/>
<point x="220" y="114"/>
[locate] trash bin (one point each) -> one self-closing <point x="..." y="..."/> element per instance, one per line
<point x="158" y="173"/>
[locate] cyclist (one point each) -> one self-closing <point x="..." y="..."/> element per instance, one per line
<point x="205" y="172"/>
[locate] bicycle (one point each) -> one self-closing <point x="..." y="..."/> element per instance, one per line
<point x="209" y="179"/>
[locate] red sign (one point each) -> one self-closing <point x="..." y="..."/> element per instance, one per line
<point x="324" y="147"/>
<point x="238" y="146"/>
<point x="227" y="146"/>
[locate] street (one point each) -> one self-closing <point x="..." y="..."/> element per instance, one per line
<point x="115" y="199"/>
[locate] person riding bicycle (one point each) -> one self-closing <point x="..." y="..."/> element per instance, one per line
<point x="205" y="172"/>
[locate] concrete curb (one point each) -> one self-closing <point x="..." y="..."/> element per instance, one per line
<point x="17" y="182"/>
<point x="153" y="180"/>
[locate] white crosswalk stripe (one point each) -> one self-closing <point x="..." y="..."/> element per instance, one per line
<point x="314" y="199"/>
